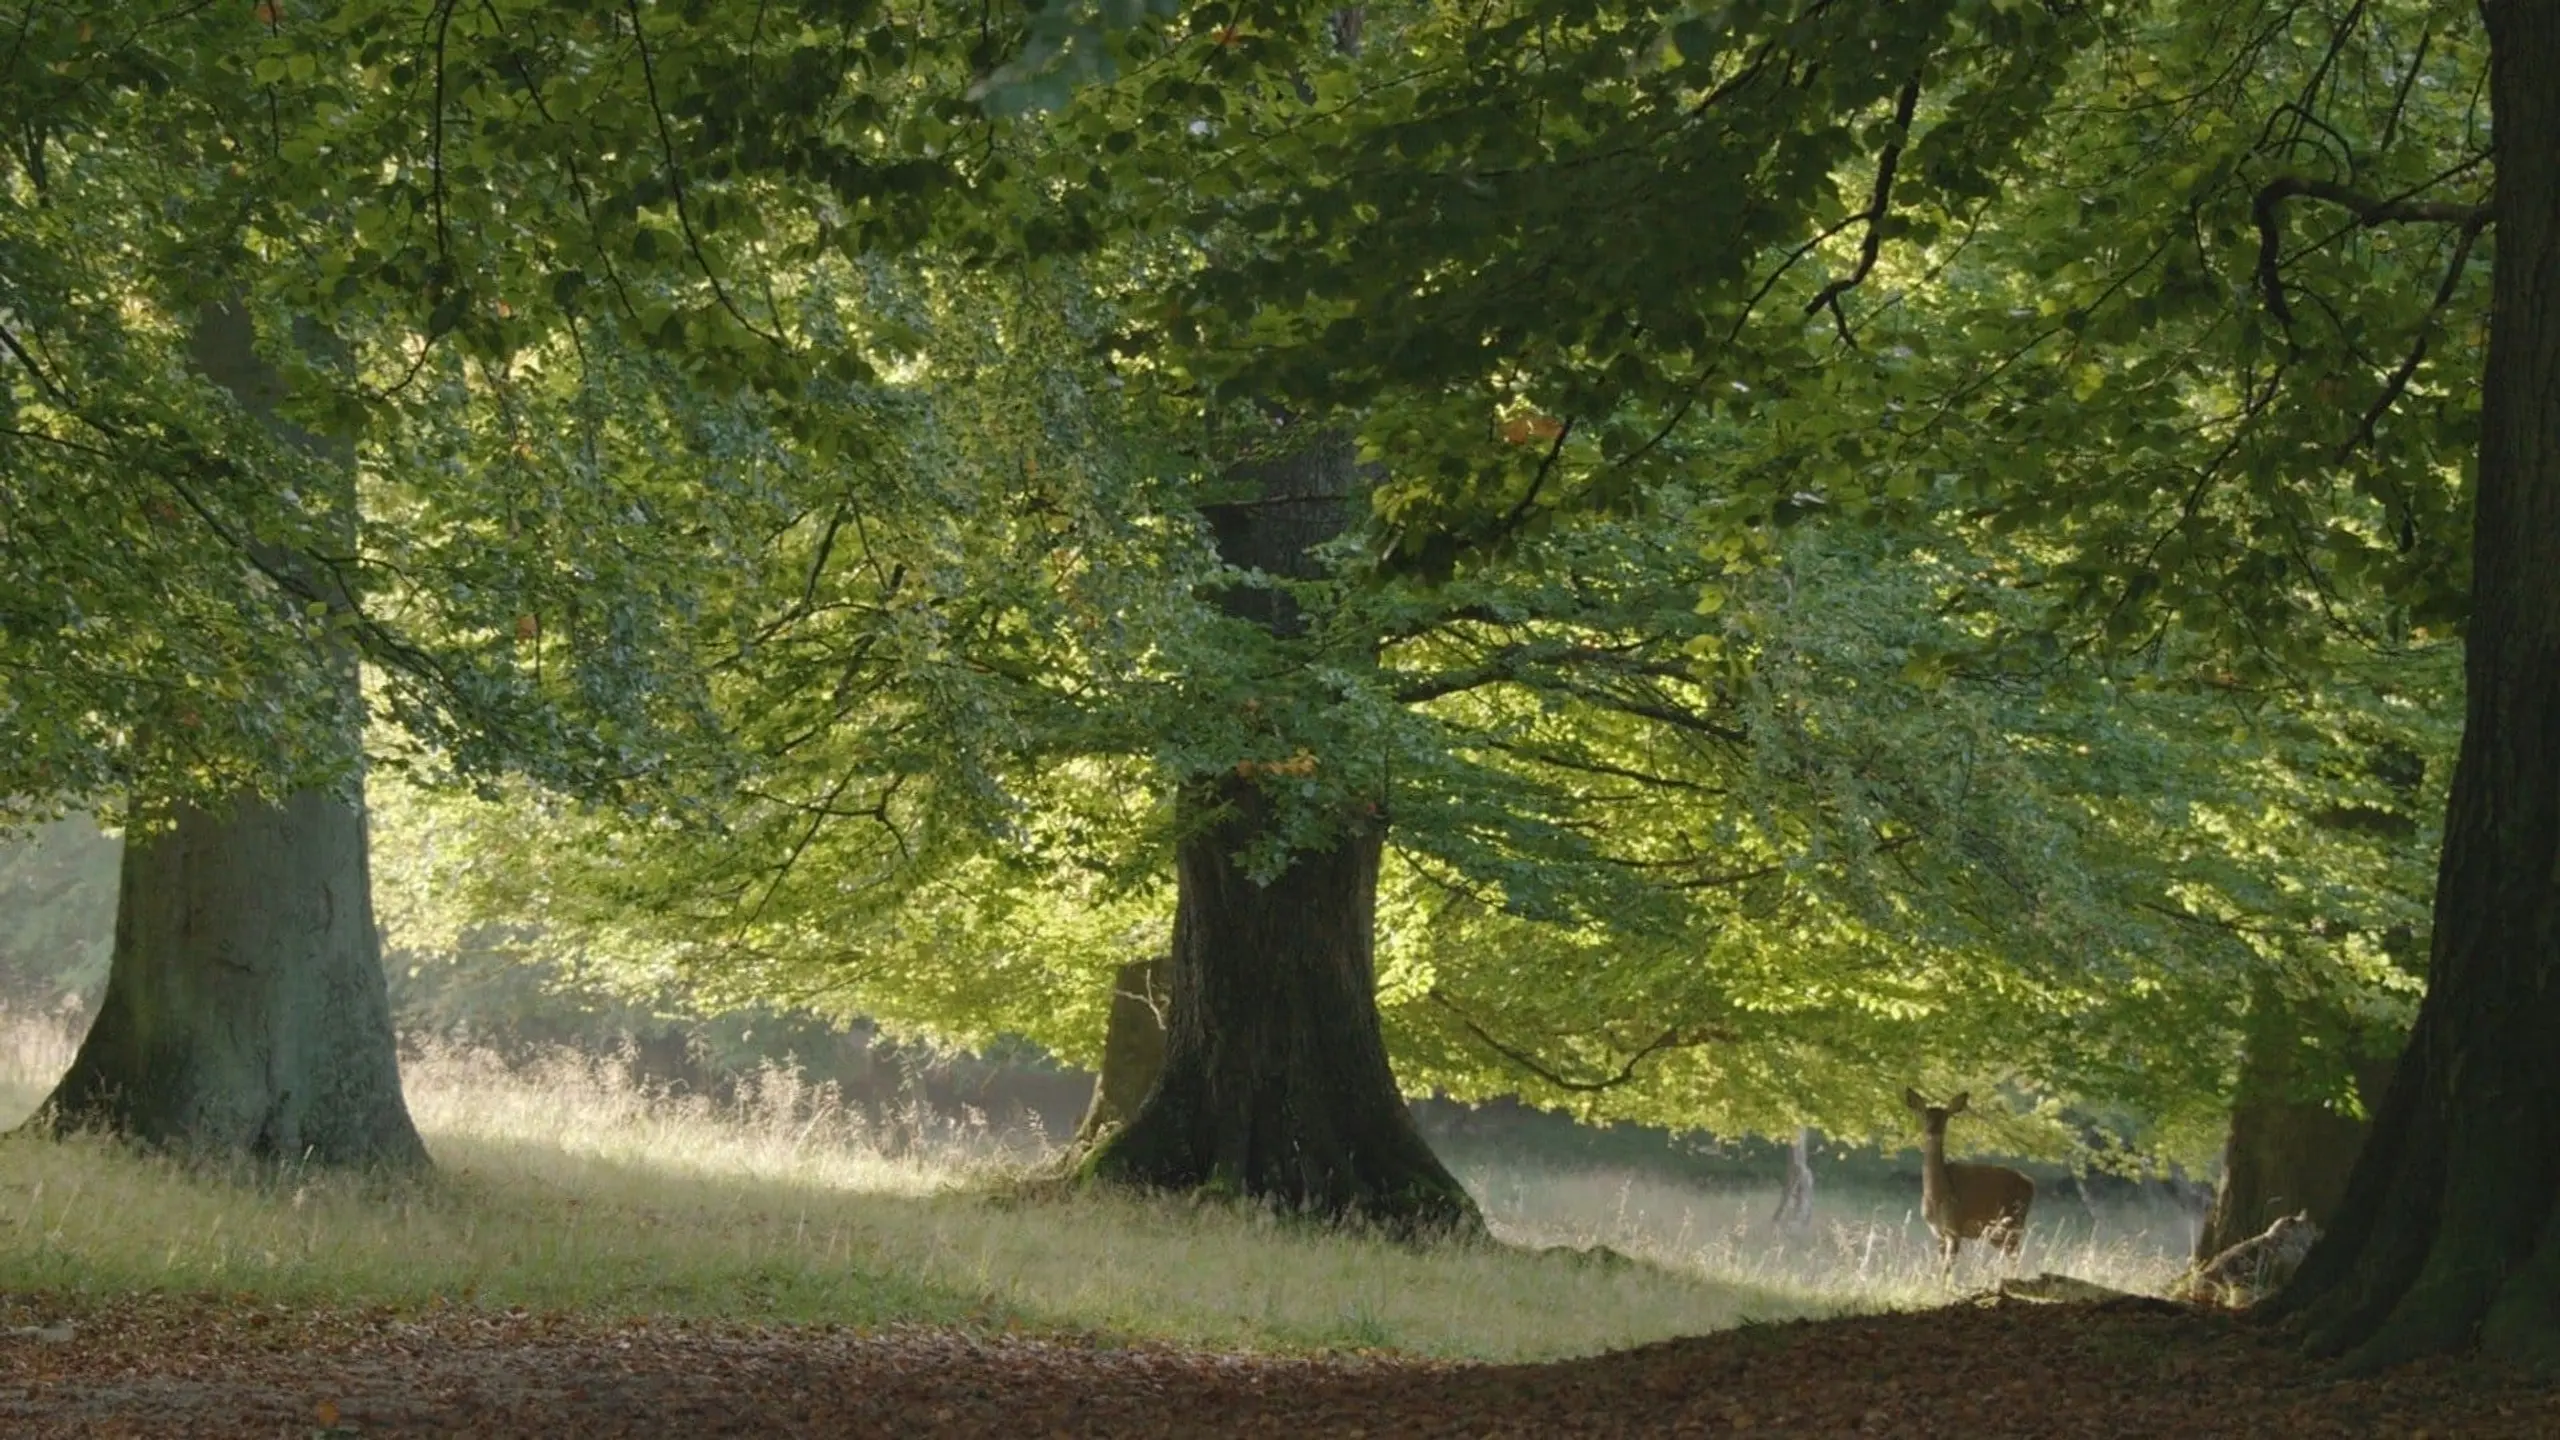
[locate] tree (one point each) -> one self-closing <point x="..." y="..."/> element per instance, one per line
<point x="1275" y="1082"/>
<point x="2296" y="1130"/>
<point x="2290" y="1147"/>
<point x="2447" y="1232"/>
<point x="208" y="325"/>
<point x="245" y="1010"/>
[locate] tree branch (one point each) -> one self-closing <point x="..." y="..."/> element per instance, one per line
<point x="1513" y="663"/>
<point x="1673" y="1038"/>
<point x="1878" y="206"/>
<point x="2369" y="211"/>
<point x="675" y="184"/>
<point x="1589" y="766"/>
<point x="2408" y="367"/>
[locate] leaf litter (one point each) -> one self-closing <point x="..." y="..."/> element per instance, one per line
<point x="216" y="1366"/>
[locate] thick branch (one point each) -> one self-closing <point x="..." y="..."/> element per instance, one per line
<point x="1513" y="664"/>
<point x="2368" y="210"/>
<point x="1591" y="766"/>
<point x="675" y="183"/>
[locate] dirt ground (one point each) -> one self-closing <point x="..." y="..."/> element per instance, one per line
<point x="208" y="1366"/>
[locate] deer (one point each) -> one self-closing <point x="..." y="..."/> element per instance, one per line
<point x="1964" y="1202"/>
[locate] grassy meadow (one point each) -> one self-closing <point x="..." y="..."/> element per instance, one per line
<point x="563" y="1186"/>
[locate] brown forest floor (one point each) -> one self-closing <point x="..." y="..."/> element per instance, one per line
<point x="210" y="1367"/>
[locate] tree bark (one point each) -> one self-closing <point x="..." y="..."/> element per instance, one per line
<point x="2450" y="1231"/>
<point x="1276" y="1084"/>
<point x="2286" y="1153"/>
<point x="245" y="1011"/>
<point x="1132" y="1047"/>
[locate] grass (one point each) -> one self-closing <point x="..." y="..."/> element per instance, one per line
<point x="1864" y="1248"/>
<point x="564" y="1187"/>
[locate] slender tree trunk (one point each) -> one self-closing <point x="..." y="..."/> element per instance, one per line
<point x="2286" y="1153"/>
<point x="1276" y="1084"/>
<point x="2450" y="1230"/>
<point x="1132" y="1047"/>
<point x="245" y="1011"/>
<point x="1795" y="1205"/>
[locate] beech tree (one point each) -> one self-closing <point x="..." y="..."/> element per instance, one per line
<point x="242" y="298"/>
<point x="245" y="1009"/>
<point x="1275" y="1080"/>
<point x="2446" y="1235"/>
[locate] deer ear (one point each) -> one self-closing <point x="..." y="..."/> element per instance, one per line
<point x="1912" y="1098"/>
<point x="1956" y="1106"/>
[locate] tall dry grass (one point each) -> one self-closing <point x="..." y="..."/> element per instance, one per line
<point x="563" y="1185"/>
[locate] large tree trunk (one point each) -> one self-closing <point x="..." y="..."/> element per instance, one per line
<point x="2287" y="1152"/>
<point x="1276" y="1084"/>
<point x="2450" y="1231"/>
<point x="245" y="1010"/>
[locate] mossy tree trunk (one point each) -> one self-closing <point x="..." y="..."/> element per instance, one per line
<point x="245" y="1011"/>
<point x="2449" y="1234"/>
<point x="1276" y="1084"/>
